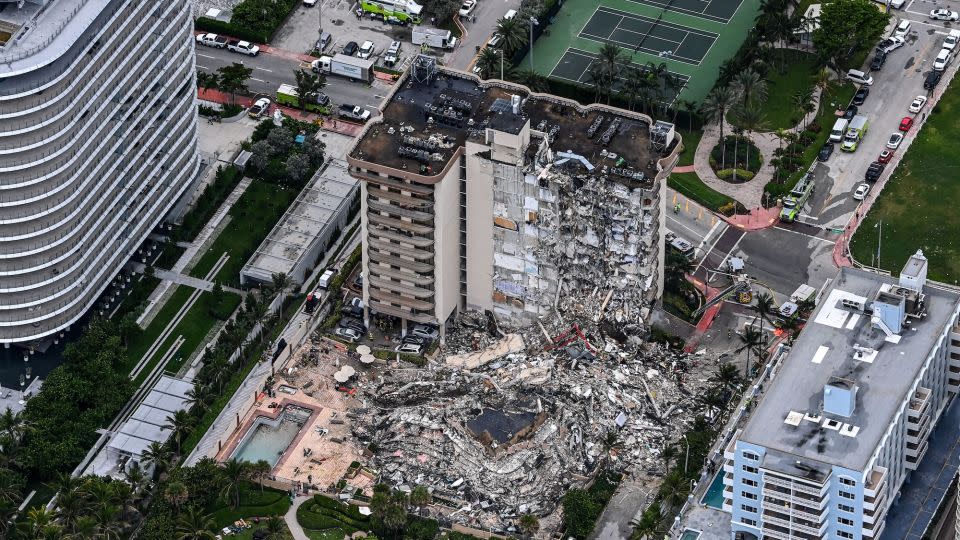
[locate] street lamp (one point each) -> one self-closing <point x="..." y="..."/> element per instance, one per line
<point x="533" y="22"/>
<point x="879" y="226"/>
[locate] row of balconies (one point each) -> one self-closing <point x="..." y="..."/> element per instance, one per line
<point x="136" y="210"/>
<point x="130" y="30"/>
<point x="794" y="484"/>
<point x="781" y="532"/>
<point x="793" y="522"/>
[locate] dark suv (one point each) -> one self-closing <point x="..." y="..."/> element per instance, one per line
<point x="874" y="171"/>
<point x="350" y="49"/>
<point x="932" y="80"/>
<point x="878" y="61"/>
<point x="861" y="95"/>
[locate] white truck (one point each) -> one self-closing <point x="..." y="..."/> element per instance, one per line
<point x="212" y="40"/>
<point x="358" y="69"/>
<point x="243" y="47"/>
<point x="434" y="37"/>
<point x="354" y="112"/>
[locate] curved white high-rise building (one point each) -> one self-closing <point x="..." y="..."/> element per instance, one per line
<point x="97" y="143"/>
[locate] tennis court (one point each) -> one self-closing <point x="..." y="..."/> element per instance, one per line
<point x="714" y="10"/>
<point x="649" y="35"/>
<point x="693" y="38"/>
<point x="575" y="66"/>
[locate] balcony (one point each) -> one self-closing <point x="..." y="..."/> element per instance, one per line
<point x="399" y="198"/>
<point x="876" y="482"/>
<point x="915" y="454"/>
<point x="403" y="301"/>
<point x="386" y="234"/>
<point x="400" y="288"/>
<point x="399" y="211"/>
<point x="408" y="226"/>
<point x="401" y="251"/>
<point x="403" y="313"/>
<point x="409" y="277"/>
<point x="373" y="178"/>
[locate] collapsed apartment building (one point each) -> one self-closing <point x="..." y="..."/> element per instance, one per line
<point x="529" y="229"/>
<point x="482" y="196"/>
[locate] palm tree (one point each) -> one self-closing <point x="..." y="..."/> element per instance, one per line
<point x="632" y="86"/>
<point x="234" y="473"/>
<point x="420" y="497"/>
<point x="715" y="109"/>
<point x="822" y="81"/>
<point x="180" y="422"/>
<point x="176" y="494"/>
<point x="690" y="107"/>
<point x="649" y="524"/>
<point x="308" y="85"/>
<point x="194" y="525"/>
<point x="13" y="426"/>
<point x="258" y="471"/>
<point x="513" y="34"/>
<point x="197" y="398"/>
<point x="803" y="100"/>
<point x="604" y="70"/>
<point x="750" y="119"/>
<point x="531" y="79"/>
<point x="489" y="61"/>
<point x="84" y="528"/>
<point x="668" y="454"/>
<point x="275" y="528"/>
<point x="281" y="284"/>
<point x="70" y="508"/>
<point x="158" y="455"/>
<point x="750" y="87"/>
<point x="38" y="520"/>
<point x="674" y="489"/>
<point x="726" y="378"/>
<point x="764" y="308"/>
<point x="750" y="342"/>
<point x="107" y="524"/>
<point x="529" y="525"/>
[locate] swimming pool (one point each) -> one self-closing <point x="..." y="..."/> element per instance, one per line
<point x="268" y="438"/>
<point x="690" y="534"/>
<point x="714" y="495"/>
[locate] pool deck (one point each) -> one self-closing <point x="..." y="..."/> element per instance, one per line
<point x="316" y="391"/>
<point x="713" y="524"/>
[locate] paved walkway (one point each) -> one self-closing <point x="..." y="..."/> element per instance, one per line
<point x="291" y="518"/>
<point x="325" y="123"/>
<point x="749" y="193"/>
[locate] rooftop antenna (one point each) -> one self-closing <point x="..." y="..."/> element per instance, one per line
<point x="424" y="69"/>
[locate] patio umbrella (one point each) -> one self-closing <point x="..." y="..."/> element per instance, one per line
<point x="367" y="359"/>
<point x="363" y="349"/>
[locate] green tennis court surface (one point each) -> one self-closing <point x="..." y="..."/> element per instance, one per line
<point x="692" y="37"/>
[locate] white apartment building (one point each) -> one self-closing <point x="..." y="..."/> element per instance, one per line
<point x="849" y="413"/>
<point x="97" y="143"/>
<point x="477" y="195"/>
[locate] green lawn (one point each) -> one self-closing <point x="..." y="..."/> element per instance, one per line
<point x="690" y="185"/>
<point x="325" y="518"/>
<point x="248" y="534"/>
<point x="917" y="204"/>
<point x="195" y="326"/>
<point x="138" y="345"/>
<point x="252" y="217"/>
<point x="690" y="141"/>
<point x="779" y="111"/>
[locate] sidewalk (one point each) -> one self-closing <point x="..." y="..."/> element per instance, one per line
<point x="291" y="518"/>
<point x="758" y="218"/>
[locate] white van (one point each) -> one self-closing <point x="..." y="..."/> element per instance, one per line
<point x="943" y="60"/>
<point x="860" y="77"/>
<point x="839" y="128"/>
<point x="902" y="29"/>
<point x="510" y="14"/>
<point x="325" y="279"/>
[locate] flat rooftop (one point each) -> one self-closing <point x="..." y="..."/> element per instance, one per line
<point x="316" y="207"/>
<point x="42" y="31"/>
<point x="826" y="350"/>
<point x="455" y="106"/>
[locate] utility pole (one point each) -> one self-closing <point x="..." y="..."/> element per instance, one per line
<point x="533" y="22"/>
<point x="879" y="240"/>
<point x="319" y="24"/>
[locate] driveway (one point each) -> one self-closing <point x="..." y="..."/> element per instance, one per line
<point x="486" y="15"/>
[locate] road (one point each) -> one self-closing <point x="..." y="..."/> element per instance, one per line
<point x="269" y="72"/>
<point x="486" y="15"/>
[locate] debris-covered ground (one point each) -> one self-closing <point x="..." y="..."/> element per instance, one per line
<point x="501" y="425"/>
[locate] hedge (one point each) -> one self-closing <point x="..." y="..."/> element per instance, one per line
<point x="727" y="174"/>
<point x="221" y="27"/>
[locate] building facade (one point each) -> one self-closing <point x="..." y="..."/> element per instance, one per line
<point x="850" y="412"/>
<point x="97" y="143"/>
<point x="480" y="196"/>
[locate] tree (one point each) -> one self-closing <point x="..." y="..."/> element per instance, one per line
<point x="258" y="471"/>
<point x="309" y="84"/>
<point x="489" y="61"/>
<point x="690" y="107"/>
<point x="749" y="342"/>
<point x="234" y="473"/>
<point x="580" y="512"/>
<point x="715" y="108"/>
<point x="668" y="454"/>
<point x="764" y="307"/>
<point x="38" y="523"/>
<point x="176" y="494"/>
<point x="314" y="150"/>
<point x="513" y="33"/>
<point x="750" y="88"/>
<point x="281" y="283"/>
<point x="531" y="79"/>
<point x="726" y="378"/>
<point x="281" y="139"/>
<point x="420" y="497"/>
<point x="298" y="168"/>
<point x="194" y="525"/>
<point x="208" y="80"/>
<point x="158" y="455"/>
<point x="846" y="26"/>
<point x="750" y="119"/>
<point x="233" y="79"/>
<point x="13" y="426"/>
<point x="649" y="524"/>
<point x="180" y="422"/>
<point x="275" y="528"/>
<point x="803" y="101"/>
<point x="529" y="525"/>
<point x="261" y="152"/>
<point x="674" y="489"/>
<point x="605" y="70"/>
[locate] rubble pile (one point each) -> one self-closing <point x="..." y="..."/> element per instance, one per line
<point x="510" y="434"/>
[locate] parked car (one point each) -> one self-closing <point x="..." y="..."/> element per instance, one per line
<point x="259" y="107"/>
<point x="851" y="112"/>
<point x="409" y="348"/>
<point x="356" y="324"/>
<point x="878" y="60"/>
<point x="356" y="302"/>
<point x="894" y="141"/>
<point x="943" y="59"/>
<point x="351" y="311"/>
<point x="346" y="332"/>
<point x="874" y="171"/>
<point x="467" y="7"/>
<point x="885" y="156"/>
<point x="243" y="47"/>
<point x="212" y="40"/>
<point x="917" y="104"/>
<point x="410" y="338"/>
<point x="425" y="332"/>
<point x="861" y="95"/>
<point x="860" y="77"/>
<point x="950" y="42"/>
<point x="324" y="41"/>
<point x="861" y="192"/>
<point x="902" y="29"/>
<point x="350" y="48"/>
<point x="932" y="80"/>
<point x="890" y="44"/>
<point x="944" y="15"/>
<point x="358" y="281"/>
<point x="366" y="50"/>
<point x="906" y="123"/>
<point x="825" y="151"/>
<point x="309" y="3"/>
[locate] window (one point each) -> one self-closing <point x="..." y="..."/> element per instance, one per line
<point x="751" y="483"/>
<point x="750" y="455"/>
<point x="847" y="495"/>
<point x="844" y="534"/>
<point x="847" y="481"/>
<point x="751" y="470"/>
<point x="748" y="521"/>
<point x="844" y="521"/>
<point x="748" y="508"/>
<point x="748" y="495"/>
<point x="845" y="508"/>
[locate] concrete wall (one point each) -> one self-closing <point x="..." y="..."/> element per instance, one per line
<point x="479" y="228"/>
<point x="446" y="234"/>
